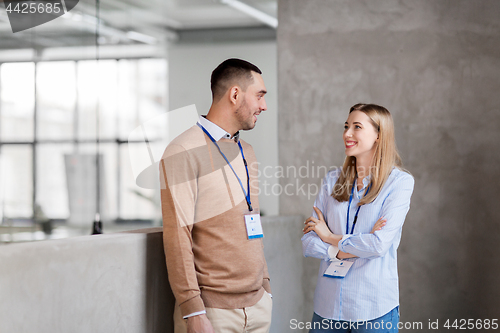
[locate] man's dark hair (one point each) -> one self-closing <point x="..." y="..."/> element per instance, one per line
<point x="230" y="72"/>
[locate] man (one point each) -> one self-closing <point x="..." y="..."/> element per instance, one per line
<point x="211" y="226"/>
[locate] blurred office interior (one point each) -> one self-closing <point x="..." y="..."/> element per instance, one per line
<point x="76" y="88"/>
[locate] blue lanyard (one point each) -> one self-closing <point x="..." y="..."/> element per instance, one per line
<point x="247" y="193"/>
<point x="357" y="211"/>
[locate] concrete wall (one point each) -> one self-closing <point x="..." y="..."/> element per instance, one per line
<point x="190" y="67"/>
<point x="435" y="65"/>
<point x="106" y="283"/>
<point x="288" y="271"/>
<point x="118" y="282"/>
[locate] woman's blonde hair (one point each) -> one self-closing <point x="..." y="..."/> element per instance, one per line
<point x="386" y="156"/>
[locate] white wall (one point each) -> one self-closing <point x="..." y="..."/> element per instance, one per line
<point x="190" y="67"/>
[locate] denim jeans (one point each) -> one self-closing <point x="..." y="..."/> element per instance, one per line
<point x="388" y="323"/>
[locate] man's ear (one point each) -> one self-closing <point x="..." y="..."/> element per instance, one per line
<point x="234" y="94"/>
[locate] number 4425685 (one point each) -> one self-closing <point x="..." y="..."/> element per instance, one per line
<point x="472" y="324"/>
<point x="32" y="8"/>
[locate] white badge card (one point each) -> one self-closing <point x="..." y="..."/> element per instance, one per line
<point x="254" y="227"/>
<point x="338" y="269"/>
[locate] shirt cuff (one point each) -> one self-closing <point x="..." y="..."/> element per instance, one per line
<point x="341" y="242"/>
<point x="193" y="305"/>
<point x="332" y="253"/>
<point x="194" y="314"/>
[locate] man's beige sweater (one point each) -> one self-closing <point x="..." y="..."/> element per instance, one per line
<point x="210" y="260"/>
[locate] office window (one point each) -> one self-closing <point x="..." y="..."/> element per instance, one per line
<point x="17" y="179"/>
<point x="55" y="100"/>
<point x="17" y="96"/>
<point x="42" y="125"/>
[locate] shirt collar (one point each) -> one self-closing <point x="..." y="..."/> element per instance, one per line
<point x="366" y="182"/>
<point x="215" y="131"/>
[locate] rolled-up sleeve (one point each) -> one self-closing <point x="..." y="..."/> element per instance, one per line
<point x="313" y="246"/>
<point x="394" y="209"/>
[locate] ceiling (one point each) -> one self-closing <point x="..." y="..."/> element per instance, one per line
<point x="147" y="23"/>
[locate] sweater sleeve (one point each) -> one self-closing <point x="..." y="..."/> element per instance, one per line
<point x="178" y="197"/>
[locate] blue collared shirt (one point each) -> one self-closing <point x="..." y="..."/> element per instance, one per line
<point x="371" y="288"/>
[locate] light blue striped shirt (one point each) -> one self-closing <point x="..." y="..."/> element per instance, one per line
<point x="371" y="288"/>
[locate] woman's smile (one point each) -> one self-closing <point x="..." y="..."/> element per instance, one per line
<point x="350" y="144"/>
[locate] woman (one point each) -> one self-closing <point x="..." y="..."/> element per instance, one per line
<point x="356" y="229"/>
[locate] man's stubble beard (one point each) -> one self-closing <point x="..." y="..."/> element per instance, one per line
<point x="245" y="123"/>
